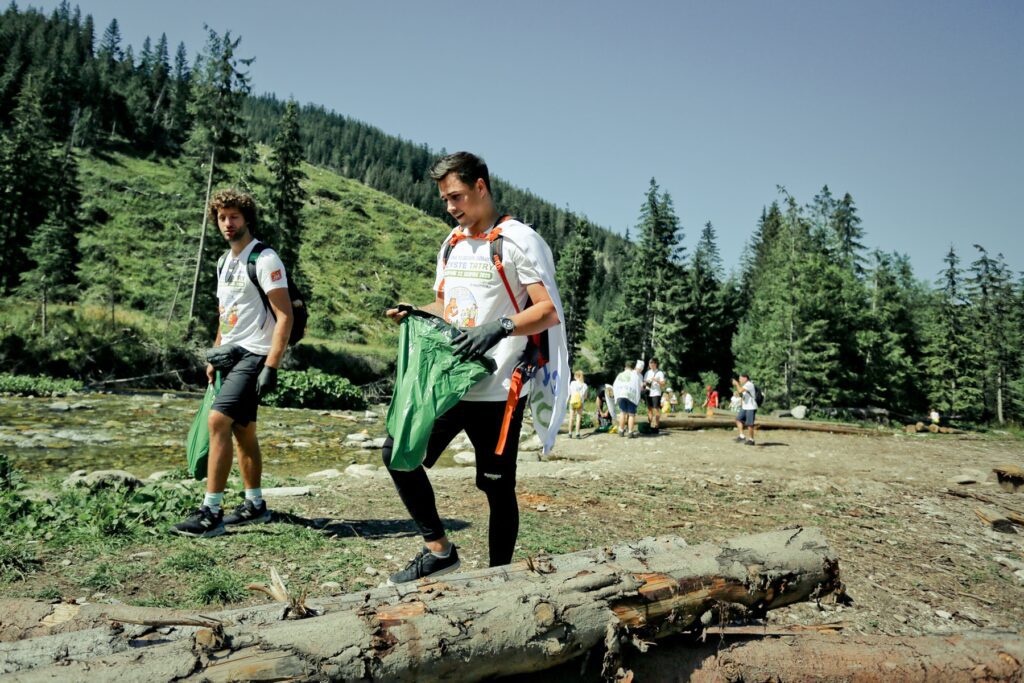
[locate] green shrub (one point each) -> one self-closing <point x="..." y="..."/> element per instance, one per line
<point x="36" y="386"/>
<point x="315" y="389"/>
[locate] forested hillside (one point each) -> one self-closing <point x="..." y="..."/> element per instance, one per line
<point x="106" y="152"/>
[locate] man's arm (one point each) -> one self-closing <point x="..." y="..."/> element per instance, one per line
<point x="209" y="368"/>
<point x="539" y="316"/>
<point x="281" y="305"/>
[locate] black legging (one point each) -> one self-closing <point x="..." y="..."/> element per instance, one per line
<point x="495" y="474"/>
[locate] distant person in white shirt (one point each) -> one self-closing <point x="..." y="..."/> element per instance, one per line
<point x="577" y="398"/>
<point x="688" y="402"/>
<point x="654" y="381"/>
<point x="627" y="395"/>
<point x="734" y="403"/>
<point x="748" y="408"/>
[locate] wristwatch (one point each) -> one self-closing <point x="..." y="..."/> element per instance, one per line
<point x="507" y="325"/>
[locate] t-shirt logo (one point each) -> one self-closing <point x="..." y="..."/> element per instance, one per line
<point x="461" y="309"/>
<point x="275" y="276"/>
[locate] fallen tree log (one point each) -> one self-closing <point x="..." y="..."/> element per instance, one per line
<point x="967" y="657"/>
<point x="673" y="422"/>
<point x="474" y="625"/>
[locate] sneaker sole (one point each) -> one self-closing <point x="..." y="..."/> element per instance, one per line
<point x="216" y="531"/>
<point x="440" y="572"/>
<point x="262" y="519"/>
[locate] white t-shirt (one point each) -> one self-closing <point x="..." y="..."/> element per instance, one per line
<point x="627" y="386"/>
<point x="474" y="294"/>
<point x="655" y="377"/>
<point x="688" y="402"/>
<point x="748" y="402"/>
<point x="244" y="320"/>
<point x="577" y="388"/>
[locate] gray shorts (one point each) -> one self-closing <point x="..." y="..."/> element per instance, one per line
<point x="746" y="417"/>
<point x="237" y="397"/>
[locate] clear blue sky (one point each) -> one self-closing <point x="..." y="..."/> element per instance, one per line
<point x="915" y="108"/>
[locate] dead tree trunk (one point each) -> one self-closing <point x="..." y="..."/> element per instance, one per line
<point x="695" y="422"/>
<point x="521" y="618"/>
<point x="968" y="657"/>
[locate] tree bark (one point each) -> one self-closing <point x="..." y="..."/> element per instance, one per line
<point x="688" y="422"/>
<point x="520" y="618"/>
<point x="974" y="657"/>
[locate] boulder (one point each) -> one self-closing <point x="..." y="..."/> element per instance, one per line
<point x="101" y="479"/>
<point x="325" y="474"/>
<point x="532" y="444"/>
<point x="799" y="412"/>
<point x="375" y="443"/>
<point x="358" y="437"/>
<point x="287" y="491"/>
<point x="60" y="406"/>
<point x="465" y="457"/>
<point x="361" y="470"/>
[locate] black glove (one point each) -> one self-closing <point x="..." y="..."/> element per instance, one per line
<point x="474" y="342"/>
<point x="223" y="357"/>
<point x="267" y="381"/>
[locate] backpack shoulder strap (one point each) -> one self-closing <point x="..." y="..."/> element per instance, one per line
<point x="250" y="264"/>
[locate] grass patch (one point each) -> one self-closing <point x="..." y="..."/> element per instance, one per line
<point x="17" y="561"/>
<point x="219" y="586"/>
<point x="192" y="559"/>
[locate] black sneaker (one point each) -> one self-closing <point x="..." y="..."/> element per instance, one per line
<point x="750" y="442"/>
<point x="426" y="563"/>
<point x="248" y="513"/>
<point x="739" y="439"/>
<point x="202" y="524"/>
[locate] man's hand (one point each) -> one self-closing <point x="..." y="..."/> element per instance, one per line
<point x="267" y="381"/>
<point x="474" y="342"/>
<point x="399" y="312"/>
<point x="210" y="373"/>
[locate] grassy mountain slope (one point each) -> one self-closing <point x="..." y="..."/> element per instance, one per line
<point x="361" y="251"/>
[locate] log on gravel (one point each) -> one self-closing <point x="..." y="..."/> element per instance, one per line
<point x="516" y="619"/>
<point x="797" y="425"/>
<point x="954" y="658"/>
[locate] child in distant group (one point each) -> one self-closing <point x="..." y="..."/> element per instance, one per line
<point x="577" y="397"/>
<point x="687" y="401"/>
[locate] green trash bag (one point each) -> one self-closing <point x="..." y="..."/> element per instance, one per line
<point x="429" y="380"/>
<point x="197" y="447"/>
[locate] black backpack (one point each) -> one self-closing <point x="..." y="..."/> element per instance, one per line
<point x="758" y="395"/>
<point x="299" y="311"/>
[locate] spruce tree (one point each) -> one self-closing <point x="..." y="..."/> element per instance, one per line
<point x="996" y="340"/>
<point x="950" y="375"/>
<point x="27" y="172"/>
<point x="283" y="230"/>
<point x="574" y="273"/>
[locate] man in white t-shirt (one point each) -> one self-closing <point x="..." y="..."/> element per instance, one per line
<point x="472" y="295"/>
<point x="251" y="340"/>
<point x="748" y="408"/>
<point x="654" y="381"/>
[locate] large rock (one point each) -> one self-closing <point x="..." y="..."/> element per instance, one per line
<point x="799" y="412"/>
<point x="532" y="444"/>
<point x="465" y="457"/>
<point x="358" y="437"/>
<point x="375" y="443"/>
<point x="101" y="479"/>
<point x="287" y="491"/>
<point x="361" y="470"/>
<point x="325" y="474"/>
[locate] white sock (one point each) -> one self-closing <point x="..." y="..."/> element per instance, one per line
<point x="213" y="501"/>
<point x="255" y="495"/>
<point x="443" y="554"/>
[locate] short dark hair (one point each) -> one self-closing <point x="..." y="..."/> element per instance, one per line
<point x="466" y="165"/>
<point x="653" y="360"/>
<point x="230" y="198"/>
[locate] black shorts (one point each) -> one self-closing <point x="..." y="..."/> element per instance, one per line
<point x="746" y="417"/>
<point x="626" y="406"/>
<point x="237" y="397"/>
<point x="654" y="402"/>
